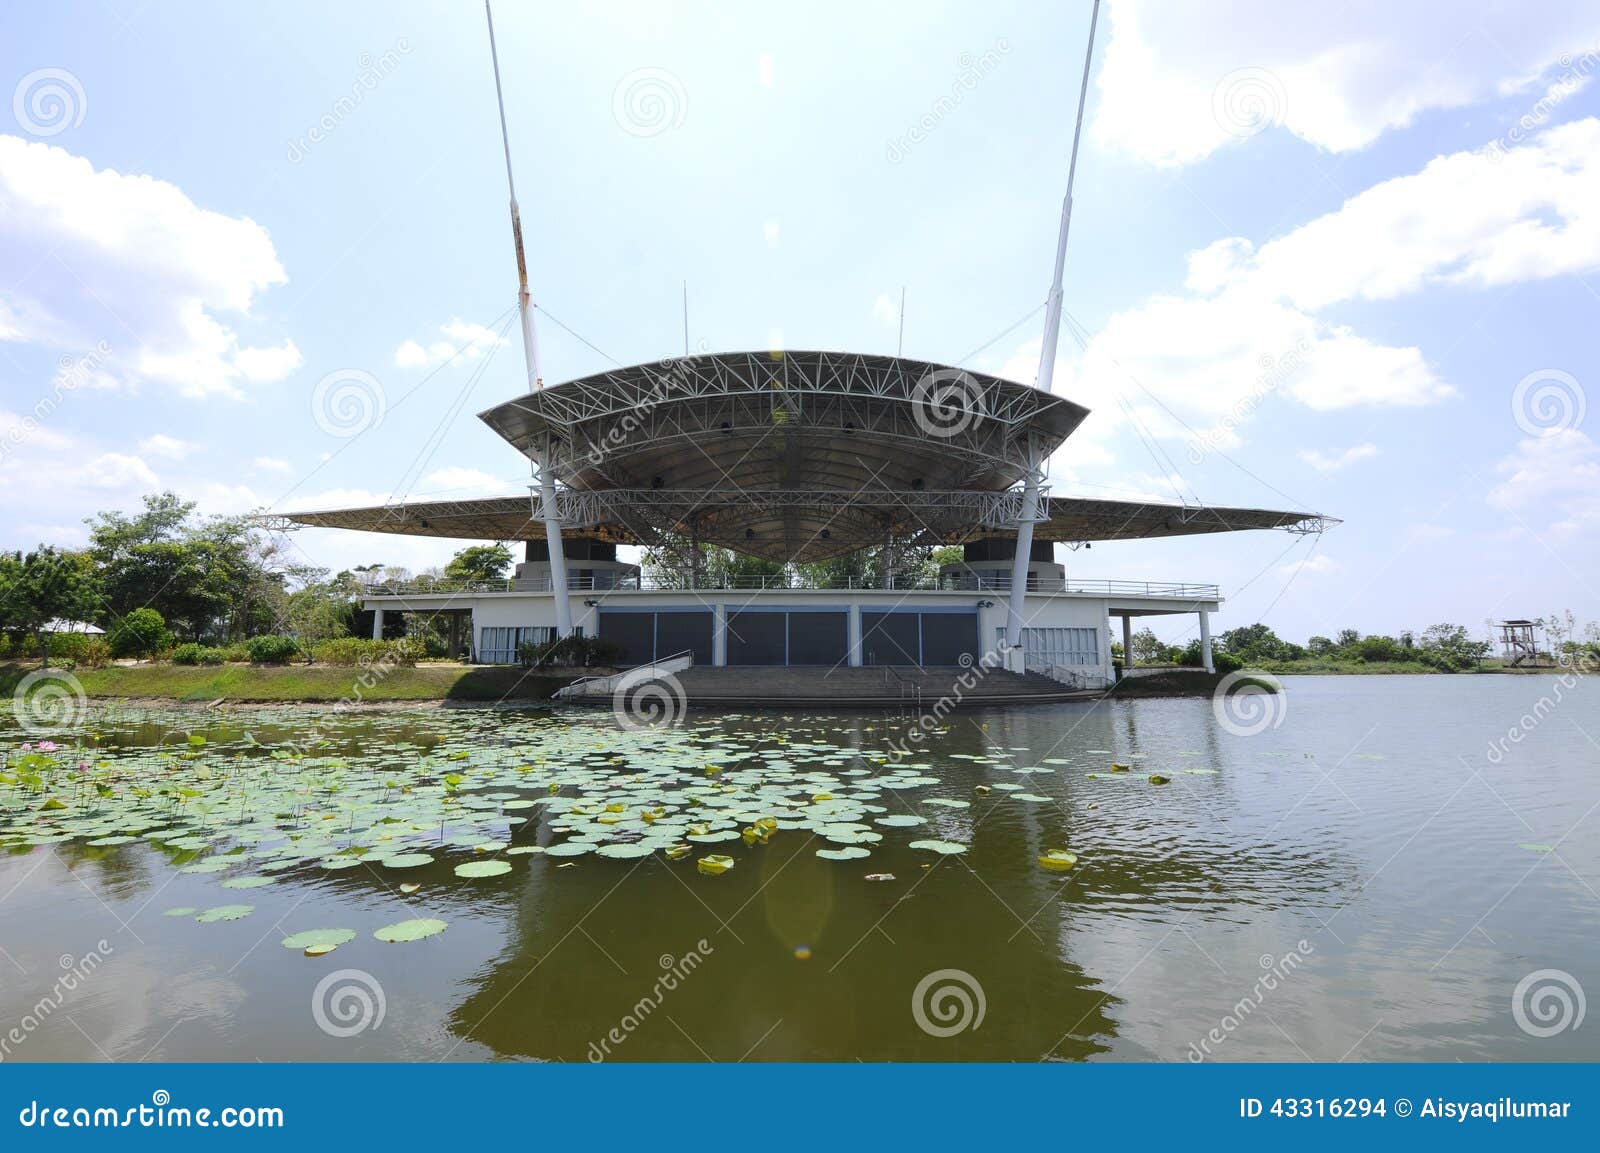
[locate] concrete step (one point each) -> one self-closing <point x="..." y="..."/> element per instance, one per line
<point x="876" y="686"/>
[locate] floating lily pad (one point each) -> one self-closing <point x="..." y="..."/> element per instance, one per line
<point x="181" y="911"/>
<point x="253" y="881"/>
<point x="1538" y="848"/>
<point x="1058" y="860"/>
<point x="848" y="853"/>
<point x="714" y="865"/>
<point x="312" y="938"/>
<point x="406" y="861"/>
<point x="947" y="848"/>
<point x="1158" y="779"/>
<point x="225" y="913"/>
<point x="413" y="930"/>
<point x="483" y="868"/>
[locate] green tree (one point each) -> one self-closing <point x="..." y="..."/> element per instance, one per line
<point x="45" y="585"/>
<point x="139" y="634"/>
<point x="479" y="562"/>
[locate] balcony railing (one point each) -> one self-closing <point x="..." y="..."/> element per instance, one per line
<point x="965" y="582"/>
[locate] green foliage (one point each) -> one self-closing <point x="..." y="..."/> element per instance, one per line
<point x="87" y="650"/>
<point x="45" y="585"/>
<point x="139" y="634"/>
<point x="1257" y="644"/>
<point x="205" y="576"/>
<point x="193" y="654"/>
<point x="365" y="651"/>
<point x="480" y="562"/>
<point x="272" y="650"/>
<point x="573" y="651"/>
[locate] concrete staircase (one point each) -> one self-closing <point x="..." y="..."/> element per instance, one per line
<point x="910" y="688"/>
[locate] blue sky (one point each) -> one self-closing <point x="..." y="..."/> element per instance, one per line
<point x="1347" y="262"/>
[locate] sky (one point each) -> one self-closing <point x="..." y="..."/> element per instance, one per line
<point x="1338" y="258"/>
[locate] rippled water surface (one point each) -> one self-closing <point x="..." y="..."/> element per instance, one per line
<point x="1367" y="879"/>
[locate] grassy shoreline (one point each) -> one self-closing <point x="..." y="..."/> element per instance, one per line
<point x="303" y="683"/>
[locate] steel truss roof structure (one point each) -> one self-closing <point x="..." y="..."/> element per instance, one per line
<point x="792" y="457"/>
<point x="721" y="517"/>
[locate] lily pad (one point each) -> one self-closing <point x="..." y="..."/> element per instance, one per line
<point x="714" y="865"/>
<point x="1058" y="860"/>
<point x="483" y="868"/>
<point x="406" y="861"/>
<point x="413" y="930"/>
<point x="250" y="882"/>
<point x="225" y="913"/>
<point x="848" y="853"/>
<point x="181" y="911"/>
<point x="312" y="938"/>
<point x="946" y="848"/>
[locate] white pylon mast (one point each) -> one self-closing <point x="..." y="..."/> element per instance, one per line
<point x="530" y="352"/>
<point x="1047" y="367"/>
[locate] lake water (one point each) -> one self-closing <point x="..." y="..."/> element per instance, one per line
<point x="1371" y="878"/>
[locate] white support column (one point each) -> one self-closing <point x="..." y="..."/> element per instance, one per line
<point x="855" y="636"/>
<point x="1127" y="642"/>
<point x="1019" y="566"/>
<point x="558" y="554"/>
<point x="1205" y="641"/>
<point x="719" y="636"/>
<point x="377" y="623"/>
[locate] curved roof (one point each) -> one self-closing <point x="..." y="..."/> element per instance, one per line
<point x="786" y="420"/>
<point x="930" y="518"/>
<point x="791" y="456"/>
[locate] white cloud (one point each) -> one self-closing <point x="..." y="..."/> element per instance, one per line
<point x="885" y="311"/>
<point x="268" y="365"/>
<point x="1181" y="80"/>
<point x="1554" y="478"/>
<point x="1322" y="462"/>
<point x="272" y="464"/>
<point x="131" y="261"/>
<point x="461" y="336"/>
<point x="117" y="470"/>
<point x="454" y="480"/>
<point x="165" y="447"/>
<point x="1316" y="564"/>
<point x="1252" y="325"/>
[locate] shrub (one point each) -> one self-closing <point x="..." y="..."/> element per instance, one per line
<point x="193" y="654"/>
<point x="1225" y="662"/>
<point x="569" y="651"/>
<point x="365" y="651"/>
<point x="139" y="634"/>
<point x="272" y="650"/>
<point x="85" y="649"/>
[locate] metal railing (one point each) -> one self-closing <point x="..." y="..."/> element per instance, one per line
<point x="1000" y="582"/>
